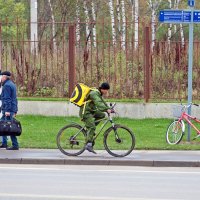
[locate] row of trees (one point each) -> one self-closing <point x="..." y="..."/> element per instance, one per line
<point x="109" y="36"/>
<point x="123" y="18"/>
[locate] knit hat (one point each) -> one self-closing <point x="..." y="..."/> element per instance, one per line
<point x="105" y="86"/>
<point x="7" y="73"/>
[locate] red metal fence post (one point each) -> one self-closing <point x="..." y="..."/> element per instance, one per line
<point x="72" y="72"/>
<point x="147" y="71"/>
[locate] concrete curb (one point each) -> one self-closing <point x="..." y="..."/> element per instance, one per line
<point x="105" y="162"/>
<point x="152" y="158"/>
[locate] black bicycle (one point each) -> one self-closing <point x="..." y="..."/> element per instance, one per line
<point x="118" y="140"/>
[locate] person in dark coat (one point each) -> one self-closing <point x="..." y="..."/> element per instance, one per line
<point x="9" y="106"/>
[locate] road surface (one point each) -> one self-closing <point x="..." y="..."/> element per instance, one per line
<point x="57" y="182"/>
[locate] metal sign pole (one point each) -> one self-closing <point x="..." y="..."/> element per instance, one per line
<point x="190" y="64"/>
<point x="189" y="17"/>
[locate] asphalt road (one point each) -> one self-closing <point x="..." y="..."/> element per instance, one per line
<point x="57" y="182"/>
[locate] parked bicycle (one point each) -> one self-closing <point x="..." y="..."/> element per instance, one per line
<point x="176" y="129"/>
<point x="118" y="140"/>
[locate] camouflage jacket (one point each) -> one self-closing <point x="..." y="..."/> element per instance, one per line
<point x="95" y="102"/>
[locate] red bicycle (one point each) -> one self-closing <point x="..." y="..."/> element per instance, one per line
<point x="176" y="129"/>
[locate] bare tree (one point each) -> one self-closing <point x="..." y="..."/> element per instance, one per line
<point x="153" y="4"/>
<point x="177" y="2"/>
<point x="53" y="26"/>
<point x="94" y="23"/>
<point x="135" y="8"/>
<point x="111" y="8"/>
<point x="78" y="22"/>
<point x="118" y="15"/>
<point x="123" y="25"/>
<point x="87" y="22"/>
<point x="170" y="26"/>
<point x="174" y="27"/>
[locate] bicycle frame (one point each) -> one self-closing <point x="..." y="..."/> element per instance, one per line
<point x="187" y="118"/>
<point x="106" y="119"/>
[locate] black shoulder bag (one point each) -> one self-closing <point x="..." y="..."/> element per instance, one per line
<point x="10" y="127"/>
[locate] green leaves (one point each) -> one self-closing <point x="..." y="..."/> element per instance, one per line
<point x="12" y="13"/>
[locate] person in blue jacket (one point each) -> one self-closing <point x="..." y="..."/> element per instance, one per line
<point x="9" y="106"/>
<point x="0" y="101"/>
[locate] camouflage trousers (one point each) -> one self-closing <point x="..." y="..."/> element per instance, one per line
<point x="89" y="120"/>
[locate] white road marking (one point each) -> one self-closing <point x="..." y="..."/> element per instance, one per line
<point x="58" y="168"/>
<point x="71" y="197"/>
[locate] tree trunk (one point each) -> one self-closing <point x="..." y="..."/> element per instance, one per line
<point x="87" y="24"/>
<point x="181" y="26"/>
<point x="170" y="26"/>
<point x="78" y="23"/>
<point x="112" y="21"/>
<point x="53" y="26"/>
<point x="153" y="22"/>
<point x="123" y="26"/>
<point x="94" y="25"/>
<point x="118" y="16"/>
<point x="136" y="22"/>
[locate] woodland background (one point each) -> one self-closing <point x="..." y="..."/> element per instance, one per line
<point x="110" y="46"/>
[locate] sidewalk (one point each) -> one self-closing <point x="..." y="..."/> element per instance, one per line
<point x="137" y="158"/>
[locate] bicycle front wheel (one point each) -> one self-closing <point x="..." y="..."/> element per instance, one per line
<point x="175" y="132"/>
<point x="119" y="141"/>
<point x="71" y="140"/>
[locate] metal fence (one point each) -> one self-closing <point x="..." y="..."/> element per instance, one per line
<point x="45" y="67"/>
<point x="170" y="70"/>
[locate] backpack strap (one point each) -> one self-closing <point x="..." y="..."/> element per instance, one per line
<point x="87" y="101"/>
<point x="84" y="105"/>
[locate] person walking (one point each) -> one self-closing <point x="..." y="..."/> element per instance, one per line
<point x="94" y="110"/>
<point x="9" y="107"/>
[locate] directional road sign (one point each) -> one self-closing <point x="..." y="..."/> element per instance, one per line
<point x="196" y="16"/>
<point x="179" y="16"/>
<point x="175" y="16"/>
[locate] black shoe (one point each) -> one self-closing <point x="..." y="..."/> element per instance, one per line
<point x="3" y="146"/>
<point x="89" y="147"/>
<point x="12" y="148"/>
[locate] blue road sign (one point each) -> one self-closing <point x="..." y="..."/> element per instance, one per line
<point x="191" y="3"/>
<point x="187" y="16"/>
<point x="179" y="16"/>
<point x="196" y="16"/>
<point x="175" y="16"/>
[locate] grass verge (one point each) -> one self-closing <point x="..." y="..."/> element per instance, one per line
<point x="41" y="131"/>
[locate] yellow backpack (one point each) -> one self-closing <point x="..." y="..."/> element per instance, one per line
<point x="79" y="94"/>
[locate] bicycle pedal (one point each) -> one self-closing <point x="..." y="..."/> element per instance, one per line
<point x="118" y="140"/>
<point x="73" y="141"/>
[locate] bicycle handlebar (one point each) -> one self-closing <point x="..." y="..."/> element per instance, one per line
<point x="187" y="106"/>
<point x="112" y="108"/>
<point x="112" y="105"/>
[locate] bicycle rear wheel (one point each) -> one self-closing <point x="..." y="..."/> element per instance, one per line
<point x="119" y="141"/>
<point x="71" y="140"/>
<point x="175" y="132"/>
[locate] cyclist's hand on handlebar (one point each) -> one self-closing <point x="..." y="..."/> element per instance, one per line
<point x="110" y="111"/>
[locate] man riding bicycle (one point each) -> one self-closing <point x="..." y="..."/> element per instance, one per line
<point x="94" y="110"/>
